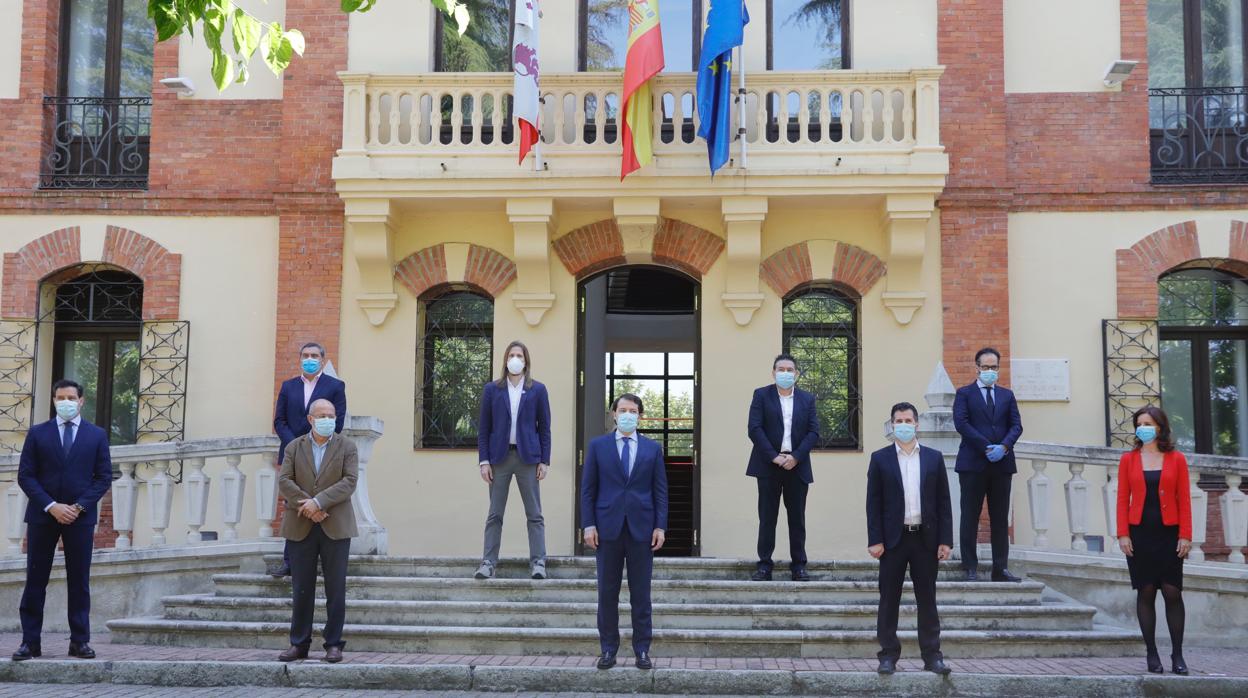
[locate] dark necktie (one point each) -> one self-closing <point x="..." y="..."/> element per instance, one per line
<point x="67" y="438"/>
<point x="624" y="458"/>
<point x="992" y="405"/>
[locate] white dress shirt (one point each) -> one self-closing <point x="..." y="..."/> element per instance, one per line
<point x="786" y="409"/>
<point x="910" y="481"/>
<point x="60" y="434"/>
<point x="308" y="387"/>
<point x="318" y="455"/>
<point x="514" y="392"/>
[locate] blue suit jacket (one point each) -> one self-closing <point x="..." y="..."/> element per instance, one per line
<point x="766" y="429"/>
<point x="609" y="497"/>
<point x="290" y="416"/>
<point x="980" y="430"/>
<point x="532" y="424"/>
<point x="886" y="499"/>
<point x="47" y="476"/>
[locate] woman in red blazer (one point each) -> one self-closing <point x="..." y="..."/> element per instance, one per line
<point x="1155" y="529"/>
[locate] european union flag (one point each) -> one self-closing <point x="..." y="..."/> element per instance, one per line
<point x="725" y="29"/>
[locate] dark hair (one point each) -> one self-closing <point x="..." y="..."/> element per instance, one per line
<point x="528" y="365"/>
<point x="783" y="357"/>
<point x="987" y="350"/>
<point x="903" y="407"/>
<point x="1164" y="444"/>
<point x="631" y="398"/>
<point x="313" y="344"/>
<point x="66" y="383"/>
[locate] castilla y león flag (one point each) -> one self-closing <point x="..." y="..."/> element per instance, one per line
<point x="527" y="100"/>
<point x="644" y="61"/>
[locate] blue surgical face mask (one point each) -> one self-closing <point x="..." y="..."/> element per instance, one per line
<point x="310" y="365"/>
<point x="988" y="376"/>
<point x="67" y="409"/>
<point x="1146" y="433"/>
<point x="903" y="432"/>
<point x="324" y="426"/>
<point x="785" y="379"/>
<point x="627" y="422"/>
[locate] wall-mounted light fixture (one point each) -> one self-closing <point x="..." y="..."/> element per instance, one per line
<point x="1118" y="71"/>
<point x="182" y="85"/>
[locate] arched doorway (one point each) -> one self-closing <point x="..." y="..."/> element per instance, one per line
<point x="638" y="331"/>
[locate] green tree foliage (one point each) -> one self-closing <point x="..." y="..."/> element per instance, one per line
<point x="485" y="46"/>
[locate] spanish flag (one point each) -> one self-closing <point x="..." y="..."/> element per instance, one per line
<point x="644" y="61"/>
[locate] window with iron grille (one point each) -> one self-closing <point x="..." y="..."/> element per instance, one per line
<point x="454" y="360"/>
<point x="820" y="330"/>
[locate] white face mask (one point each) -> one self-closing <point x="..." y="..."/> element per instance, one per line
<point x="515" y="365"/>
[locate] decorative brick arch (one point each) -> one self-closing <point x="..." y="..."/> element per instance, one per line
<point x="591" y="248"/>
<point x="1143" y="263"/>
<point x="26" y="268"/>
<point x="487" y="269"/>
<point x="791" y="267"/>
<point x="687" y="247"/>
<point x="160" y="270"/>
<point x="677" y="244"/>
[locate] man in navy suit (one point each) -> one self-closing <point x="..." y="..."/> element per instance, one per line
<point x="290" y="415"/>
<point x="986" y="415"/>
<point x="64" y="470"/>
<point x="624" y="515"/>
<point x="909" y="524"/>
<point x="784" y="427"/>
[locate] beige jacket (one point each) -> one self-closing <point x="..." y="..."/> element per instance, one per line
<point x="332" y="488"/>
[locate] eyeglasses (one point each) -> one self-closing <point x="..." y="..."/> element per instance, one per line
<point x="986" y="367"/>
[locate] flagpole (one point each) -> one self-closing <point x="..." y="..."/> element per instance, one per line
<point x="741" y="102"/>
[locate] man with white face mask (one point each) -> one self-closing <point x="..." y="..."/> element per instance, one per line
<point x="64" y="470"/>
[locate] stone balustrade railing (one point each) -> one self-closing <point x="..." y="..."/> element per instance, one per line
<point x="148" y="470"/>
<point x="1081" y="503"/>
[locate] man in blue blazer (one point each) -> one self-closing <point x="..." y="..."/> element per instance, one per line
<point x="290" y="415"/>
<point x="64" y="470"/>
<point x="624" y="517"/>
<point x="783" y="427"/>
<point x="909" y="524"/>
<point x="986" y="415"/>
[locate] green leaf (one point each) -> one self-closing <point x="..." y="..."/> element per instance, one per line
<point x="350" y="6"/>
<point x="164" y="13"/>
<point x="294" y="37"/>
<point x="222" y="69"/>
<point x="276" y="49"/>
<point x="246" y="31"/>
<point x="214" y="26"/>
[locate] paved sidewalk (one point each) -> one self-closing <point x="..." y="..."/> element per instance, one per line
<point x="30" y="690"/>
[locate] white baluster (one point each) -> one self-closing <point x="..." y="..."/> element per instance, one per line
<point x="1038" y="499"/>
<point x="580" y="117"/>
<point x="374" y="117"/>
<point x="478" y="116"/>
<point x="803" y="116"/>
<point x="457" y="119"/>
<point x="907" y="116"/>
<point x="1200" y="517"/>
<point x="160" y="501"/>
<point x="125" y="502"/>
<point x="1077" y="507"/>
<point x="889" y="118"/>
<point x="396" y="116"/>
<point x="266" y="499"/>
<point x="868" y="115"/>
<point x="233" y="487"/>
<point x="825" y="115"/>
<point x="1109" y="495"/>
<point x="1234" y="518"/>
<point x="196" y="486"/>
<point x="600" y="117"/>
<point x="15" y="517"/>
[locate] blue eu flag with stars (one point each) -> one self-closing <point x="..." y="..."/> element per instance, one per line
<point x="725" y="29"/>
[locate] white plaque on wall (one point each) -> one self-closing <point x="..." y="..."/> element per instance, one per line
<point x="1040" y="380"/>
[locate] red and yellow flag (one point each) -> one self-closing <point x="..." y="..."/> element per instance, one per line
<point x="644" y="61"/>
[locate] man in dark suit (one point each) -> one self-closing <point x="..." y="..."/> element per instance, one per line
<point x="624" y="515"/>
<point x="64" y="470"/>
<point x="290" y="415"/>
<point x="784" y="427"/>
<point x="317" y="480"/>
<point x="909" y="524"/>
<point x="986" y="415"/>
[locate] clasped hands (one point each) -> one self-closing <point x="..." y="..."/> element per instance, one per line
<point x="785" y="460"/>
<point x="64" y="514"/>
<point x="657" y="538"/>
<point x="942" y="553"/>
<point x="309" y="509"/>
<point x="995" y="452"/>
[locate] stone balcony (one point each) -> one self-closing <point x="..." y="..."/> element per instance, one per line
<point x="821" y="132"/>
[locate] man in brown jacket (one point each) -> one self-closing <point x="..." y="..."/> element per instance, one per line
<point x="317" y="479"/>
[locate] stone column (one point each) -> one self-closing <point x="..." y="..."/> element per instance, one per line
<point x="936" y="431"/>
<point x="373" y="538"/>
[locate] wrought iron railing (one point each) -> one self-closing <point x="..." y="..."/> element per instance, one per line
<point x="96" y="142"/>
<point x="1199" y="135"/>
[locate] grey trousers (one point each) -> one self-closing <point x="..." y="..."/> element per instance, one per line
<point x="526" y="481"/>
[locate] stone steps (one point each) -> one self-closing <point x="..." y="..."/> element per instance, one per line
<point x="207" y="607"/>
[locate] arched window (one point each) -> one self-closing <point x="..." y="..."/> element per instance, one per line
<point x="1203" y="319"/>
<point x="455" y="358"/>
<point x="821" y="332"/>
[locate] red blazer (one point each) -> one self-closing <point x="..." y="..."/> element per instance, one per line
<point x="1174" y="492"/>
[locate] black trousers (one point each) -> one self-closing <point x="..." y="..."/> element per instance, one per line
<point x="332" y="555"/>
<point x="995" y="486"/>
<point x="786" y="485"/>
<point x="613" y="556"/>
<point x="41" y="540"/>
<point x="912" y="553"/>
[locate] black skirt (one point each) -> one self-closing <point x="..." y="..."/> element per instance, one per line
<point x="1155" y="559"/>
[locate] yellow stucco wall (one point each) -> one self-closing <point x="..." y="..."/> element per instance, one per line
<point x="10" y="48"/>
<point x="893" y="34"/>
<point x="1061" y="45"/>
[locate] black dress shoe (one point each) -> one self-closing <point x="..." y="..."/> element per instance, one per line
<point x="799" y="575"/>
<point x="282" y="570"/>
<point x="607" y="660"/>
<point x="1177" y="665"/>
<point x="888" y="665"/>
<point x="1154" y="663"/>
<point x="937" y="666"/>
<point x="972" y="576"/>
<point x="26" y="651"/>
<point x="643" y="661"/>
<point x="82" y="651"/>
<point x="761" y="576"/>
<point x="1005" y="576"/>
